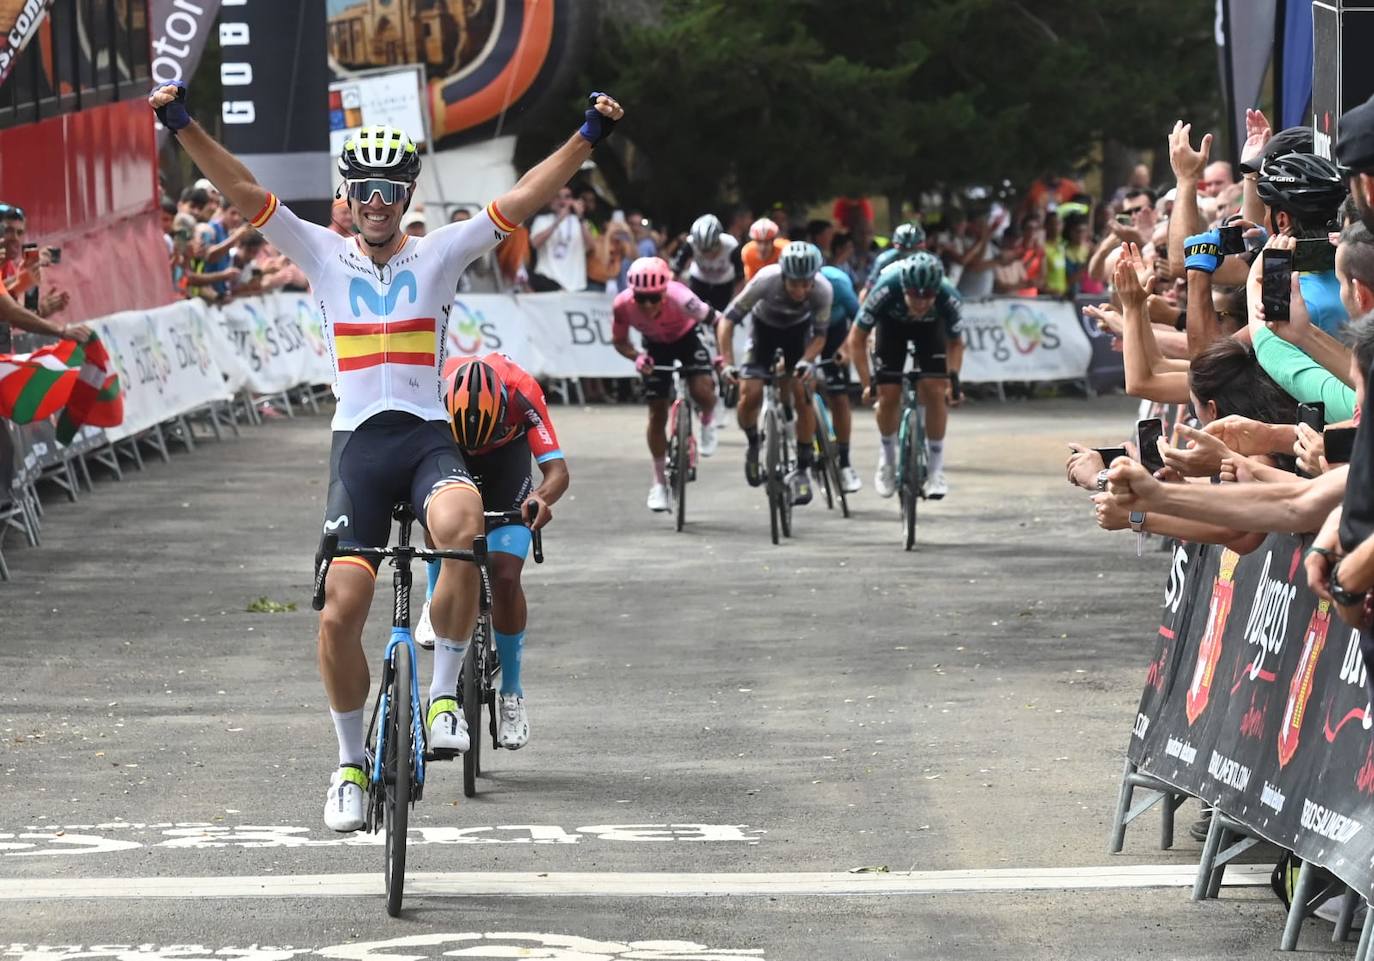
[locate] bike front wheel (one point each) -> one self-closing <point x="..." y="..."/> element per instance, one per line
<point x="910" y="480"/>
<point x="398" y="754"/>
<point x="683" y="435"/>
<point x="772" y="466"/>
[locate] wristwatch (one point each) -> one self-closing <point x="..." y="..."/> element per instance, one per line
<point x="1137" y="519"/>
<point x="1102" y="481"/>
<point x="1339" y="594"/>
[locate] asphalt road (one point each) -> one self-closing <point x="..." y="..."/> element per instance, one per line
<point x="722" y="729"/>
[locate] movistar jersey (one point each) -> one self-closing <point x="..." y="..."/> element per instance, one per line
<point x="387" y="326"/>
<point x="886" y="303"/>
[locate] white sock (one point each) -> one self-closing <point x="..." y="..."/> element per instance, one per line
<point x="348" y="728"/>
<point x="889" y="448"/>
<point x="708" y="415"/>
<point x="937" y="455"/>
<point x="661" y="471"/>
<point x="448" y="661"/>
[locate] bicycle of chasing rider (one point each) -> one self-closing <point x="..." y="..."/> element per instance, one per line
<point x="397" y="742"/>
<point x="827" y="464"/>
<point x="778" y="432"/>
<point x="911" y="455"/>
<point x="682" y="444"/>
<point x="477" y="679"/>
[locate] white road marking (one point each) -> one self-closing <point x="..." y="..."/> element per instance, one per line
<point x="629" y="885"/>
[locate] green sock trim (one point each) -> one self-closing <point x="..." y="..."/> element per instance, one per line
<point x="351" y="772"/>
<point x="442" y="705"/>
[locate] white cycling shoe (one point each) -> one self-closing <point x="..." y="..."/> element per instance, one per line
<point x="424" y="630"/>
<point x="343" y="805"/>
<point x="448" y="729"/>
<point x="935" y="486"/>
<point x="849" y="480"/>
<point x="659" y="498"/>
<point x="885" y="480"/>
<point x="512" y="724"/>
<point x="710" y="439"/>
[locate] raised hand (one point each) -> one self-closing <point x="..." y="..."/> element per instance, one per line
<point x="1188" y="163"/>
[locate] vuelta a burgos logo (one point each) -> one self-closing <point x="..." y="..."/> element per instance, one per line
<point x="154" y="367"/>
<point x="1029" y="329"/>
<point x="465" y="329"/>
<point x="259" y="328"/>
<point x="117" y="356"/>
<point x="309" y="321"/>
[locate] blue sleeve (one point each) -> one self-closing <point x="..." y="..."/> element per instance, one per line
<point x="846" y="303"/>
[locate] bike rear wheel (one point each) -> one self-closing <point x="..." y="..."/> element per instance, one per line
<point x="470" y="683"/>
<point x="398" y="757"/>
<point x="683" y="433"/>
<point x="830" y="458"/>
<point x="772" y="466"/>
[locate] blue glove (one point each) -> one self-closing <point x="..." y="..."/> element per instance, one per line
<point x="1203" y="252"/>
<point x="596" y="127"/>
<point x="173" y="116"/>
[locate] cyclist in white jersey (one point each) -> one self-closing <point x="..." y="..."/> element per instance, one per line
<point x="385" y="298"/>
<point x="714" y="271"/>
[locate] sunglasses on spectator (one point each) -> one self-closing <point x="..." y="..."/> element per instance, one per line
<point x="648" y="298"/>
<point x="391" y="191"/>
<point x="9" y="211"/>
<point x="1132" y="211"/>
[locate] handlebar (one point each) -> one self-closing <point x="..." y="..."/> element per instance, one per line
<point x="330" y="549"/>
<point x="518" y="517"/>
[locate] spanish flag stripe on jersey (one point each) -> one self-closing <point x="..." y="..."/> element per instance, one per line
<point x="498" y="218"/>
<point x="420" y="342"/>
<point x="394" y="326"/>
<point x="363" y="361"/>
<point x="265" y="214"/>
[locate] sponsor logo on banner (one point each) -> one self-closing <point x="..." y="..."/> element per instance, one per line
<point x="1209" y="651"/>
<point x="1023" y="338"/>
<point x="1300" y="688"/>
<point x="470" y="332"/>
<point x="1328" y="823"/>
<point x="1229" y="772"/>
<point x="19" y="26"/>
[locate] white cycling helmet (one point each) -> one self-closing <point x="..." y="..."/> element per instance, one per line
<point x="800" y="260"/>
<point x="763" y="230"/>
<point x="381" y="152"/>
<point x="705" y="233"/>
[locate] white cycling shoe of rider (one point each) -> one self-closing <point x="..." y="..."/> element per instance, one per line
<point x="424" y="630"/>
<point x="710" y="439"/>
<point x="343" y="805"/>
<point x="512" y="723"/>
<point x="850" y="482"/>
<point x="448" y="729"/>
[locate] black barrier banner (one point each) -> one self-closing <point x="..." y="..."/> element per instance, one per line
<point x="1260" y="705"/>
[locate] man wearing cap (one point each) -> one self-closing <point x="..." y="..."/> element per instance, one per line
<point x="413" y="223"/>
<point x="1355" y="152"/>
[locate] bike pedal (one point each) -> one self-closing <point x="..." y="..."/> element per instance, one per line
<point x="442" y="754"/>
<point x="692" y="474"/>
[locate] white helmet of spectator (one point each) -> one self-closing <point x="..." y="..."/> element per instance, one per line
<point x="705" y="233"/>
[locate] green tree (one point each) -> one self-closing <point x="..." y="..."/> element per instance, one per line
<point x="803" y="99"/>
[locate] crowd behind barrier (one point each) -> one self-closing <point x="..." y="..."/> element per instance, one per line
<point x="1243" y="316"/>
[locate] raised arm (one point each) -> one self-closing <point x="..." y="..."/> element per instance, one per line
<point x="224" y="170"/>
<point x="539" y="185"/>
<point x="1188" y="165"/>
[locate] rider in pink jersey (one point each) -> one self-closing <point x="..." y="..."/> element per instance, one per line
<point x="669" y="318"/>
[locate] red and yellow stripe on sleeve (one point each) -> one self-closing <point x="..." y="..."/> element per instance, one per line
<point x="265" y="214"/>
<point x="499" y="219"/>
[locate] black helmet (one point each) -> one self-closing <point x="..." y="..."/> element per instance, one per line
<point x="1303" y="185"/>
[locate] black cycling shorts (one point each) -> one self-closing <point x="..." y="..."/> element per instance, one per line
<point x="890" y="350"/>
<point x="391" y="457"/>
<point x="692" y="348"/>
<point x="765" y="341"/>
<point x="717" y="295"/>
<point x="503" y="477"/>
<point x="836" y="374"/>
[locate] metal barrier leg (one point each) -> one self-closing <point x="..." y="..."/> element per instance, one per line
<point x="1207" y="864"/>
<point x="1156" y="791"/>
<point x="1349" y="902"/>
<point x="85" y="471"/>
<point x="1297" y="911"/>
<point x="1363" y="950"/>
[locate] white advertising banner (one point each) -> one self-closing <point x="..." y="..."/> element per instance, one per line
<point x="277" y="342"/>
<point x="1023" y="338"/>
<point x="392" y="97"/>
<point x="165" y="363"/>
<point x="550" y="335"/>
